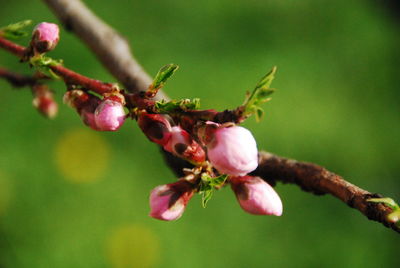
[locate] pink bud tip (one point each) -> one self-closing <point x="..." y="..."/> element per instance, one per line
<point x="45" y="37"/>
<point x="109" y="115"/>
<point x="168" y="202"/>
<point x="156" y="127"/>
<point x="255" y="196"/>
<point x="182" y="145"/>
<point x="232" y="150"/>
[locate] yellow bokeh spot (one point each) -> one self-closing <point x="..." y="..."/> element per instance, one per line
<point x="133" y="246"/>
<point x="82" y="155"/>
<point x="5" y="193"/>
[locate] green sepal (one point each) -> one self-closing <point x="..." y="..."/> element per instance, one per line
<point x="219" y="181"/>
<point x="43" y="64"/>
<point x="161" y="77"/>
<point x="260" y="95"/>
<point x="15" y="30"/>
<point x="166" y="107"/>
<point x="208" y="185"/>
<point x="96" y="94"/>
<point x="386" y="200"/>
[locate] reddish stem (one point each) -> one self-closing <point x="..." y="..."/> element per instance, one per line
<point x="69" y="76"/>
<point x="136" y="99"/>
<point x="12" y="47"/>
<point x="18" y="80"/>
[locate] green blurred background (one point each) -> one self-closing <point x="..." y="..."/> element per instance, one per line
<point x="72" y="197"/>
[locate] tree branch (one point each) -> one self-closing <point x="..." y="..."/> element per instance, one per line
<point x="69" y="76"/>
<point x="113" y="51"/>
<point x="17" y="80"/>
<point x="317" y="180"/>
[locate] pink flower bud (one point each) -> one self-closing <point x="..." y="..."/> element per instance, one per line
<point x="231" y="150"/>
<point x="182" y="145"/>
<point x="88" y="119"/>
<point x="43" y="100"/>
<point x="255" y="196"/>
<point x="85" y="104"/>
<point x="168" y="202"/>
<point x="109" y="115"/>
<point x="45" y="37"/>
<point x="156" y="127"/>
<point x="46" y="105"/>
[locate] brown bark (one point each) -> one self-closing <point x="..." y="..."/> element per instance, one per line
<point x="318" y="180"/>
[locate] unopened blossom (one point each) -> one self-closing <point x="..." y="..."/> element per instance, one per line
<point x="85" y="104"/>
<point x="45" y="37"/>
<point x="256" y="196"/>
<point x="43" y="100"/>
<point x="109" y="115"/>
<point x="231" y="149"/>
<point x="181" y="144"/>
<point x="156" y="127"/>
<point x="46" y="106"/>
<point x="168" y="202"/>
<point x="87" y="117"/>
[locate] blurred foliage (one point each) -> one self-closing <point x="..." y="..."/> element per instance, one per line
<point x="337" y="104"/>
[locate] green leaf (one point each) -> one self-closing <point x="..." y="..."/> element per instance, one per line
<point x="259" y="114"/>
<point x="205" y="197"/>
<point x="96" y="94"/>
<point x="205" y="190"/>
<point x="260" y="95"/>
<point x="387" y="201"/>
<point x="162" y="76"/>
<point x="208" y="185"/>
<point x="15" y="30"/>
<point x="166" y="107"/>
<point x="43" y="64"/>
<point x="218" y="181"/>
<point x="266" y="81"/>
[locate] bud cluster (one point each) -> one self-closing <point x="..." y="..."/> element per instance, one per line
<point x="173" y="139"/>
<point x="220" y="151"/>
<point x="230" y="149"/>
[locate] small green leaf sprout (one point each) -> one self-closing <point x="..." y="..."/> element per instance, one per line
<point x="394" y="216"/>
<point x="260" y="95"/>
<point x="208" y="185"/>
<point x="15" y="30"/>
